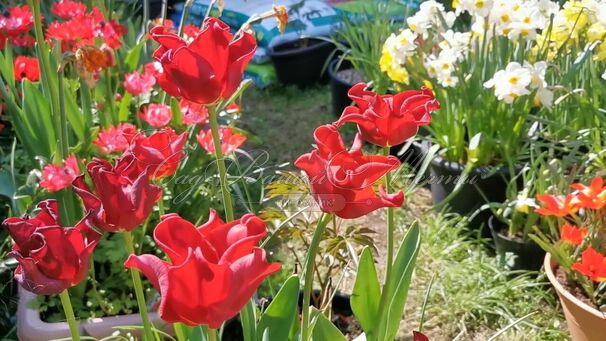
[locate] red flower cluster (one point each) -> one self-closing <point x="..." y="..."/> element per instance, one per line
<point x="16" y="26"/>
<point x="83" y="28"/>
<point x="156" y="115"/>
<point x="341" y="180"/>
<point x="67" y="9"/>
<point x="58" y="177"/>
<point x="389" y="120"/>
<point x="592" y="197"/>
<point x="573" y="235"/>
<point x="213" y="61"/>
<point x="137" y="83"/>
<point x="229" y="141"/>
<point x="27" y="68"/>
<point x="213" y="271"/>
<point x="51" y="257"/>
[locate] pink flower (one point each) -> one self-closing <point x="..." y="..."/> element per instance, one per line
<point x="153" y="68"/>
<point x="229" y="141"/>
<point x="156" y="115"/>
<point x="57" y="177"/>
<point x="193" y="113"/>
<point x="113" y="139"/>
<point x="136" y="83"/>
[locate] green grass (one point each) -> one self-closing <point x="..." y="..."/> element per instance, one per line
<point x="283" y="118"/>
<point x="471" y="297"/>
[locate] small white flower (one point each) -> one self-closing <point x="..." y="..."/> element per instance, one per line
<point x="537" y="74"/>
<point x="604" y="76"/>
<point x="431" y="15"/>
<point x="545" y="96"/>
<point x="477" y="8"/>
<point x="447" y="80"/>
<point x="401" y="46"/>
<point x="457" y="43"/>
<point x="510" y="83"/>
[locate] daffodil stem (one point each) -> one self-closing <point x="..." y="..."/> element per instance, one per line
<point x="310" y="263"/>
<point x="139" y="294"/>
<point x="212" y="334"/>
<point x="69" y="315"/>
<point x="214" y="127"/>
<point x="390" y="223"/>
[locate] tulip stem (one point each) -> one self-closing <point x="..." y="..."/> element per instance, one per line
<point x="390" y="223"/>
<point x="214" y="127"/>
<point x="310" y="263"/>
<point x="212" y="334"/>
<point x="69" y="315"/>
<point x="149" y="336"/>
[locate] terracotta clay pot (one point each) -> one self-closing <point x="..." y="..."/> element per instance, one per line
<point x="584" y="322"/>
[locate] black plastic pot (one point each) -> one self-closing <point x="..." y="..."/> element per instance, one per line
<point x="513" y="252"/>
<point x="301" y="62"/>
<point x="339" y="85"/>
<point x="483" y="185"/>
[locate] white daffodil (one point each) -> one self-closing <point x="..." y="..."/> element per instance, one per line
<point x="401" y="46"/>
<point x="477" y="8"/>
<point x="457" y="43"/>
<point x="510" y="83"/>
<point x="537" y="74"/>
<point x="447" y="80"/>
<point x="431" y="15"/>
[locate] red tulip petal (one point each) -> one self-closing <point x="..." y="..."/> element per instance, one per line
<point x="241" y="52"/>
<point x="155" y="269"/>
<point x="194" y="76"/>
<point x="328" y="141"/>
<point x="175" y="236"/>
<point x="212" y="44"/>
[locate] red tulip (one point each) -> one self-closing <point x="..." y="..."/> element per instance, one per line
<point x="229" y="141"/>
<point x="193" y="113"/>
<point x="156" y="115"/>
<point x="58" y="177"/>
<point x="27" y="68"/>
<point x="51" y="257"/>
<point x="342" y="180"/>
<point x="137" y="83"/>
<point x="160" y="152"/>
<point x="214" y="269"/>
<point x="121" y="203"/>
<point x="114" y="139"/>
<point x="207" y="69"/>
<point x="389" y="120"/>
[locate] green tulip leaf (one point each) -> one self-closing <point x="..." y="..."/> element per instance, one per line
<point x="366" y="294"/>
<point x="277" y="320"/>
<point x="324" y="330"/>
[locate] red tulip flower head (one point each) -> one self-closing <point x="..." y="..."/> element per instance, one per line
<point x="136" y="83"/>
<point x="156" y="115"/>
<point x="214" y="269"/>
<point x="341" y="180"/>
<point x="114" y="139"/>
<point x="389" y="120"/>
<point x="27" y="68"/>
<point x="229" y="141"/>
<point x="51" y="257"/>
<point x="207" y="69"/>
<point x="159" y="153"/>
<point x="120" y="203"/>
<point x="58" y="177"/>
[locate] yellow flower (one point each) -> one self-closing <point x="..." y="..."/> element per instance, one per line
<point x="394" y="71"/>
<point x="455" y="3"/>
<point x="428" y="85"/>
<point x="596" y="32"/>
<point x="575" y="14"/>
<point x="601" y="55"/>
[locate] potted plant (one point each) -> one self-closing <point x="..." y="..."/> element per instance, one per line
<point x="301" y="61"/>
<point x="575" y="263"/>
<point x="514" y="220"/>
<point x="484" y="122"/>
